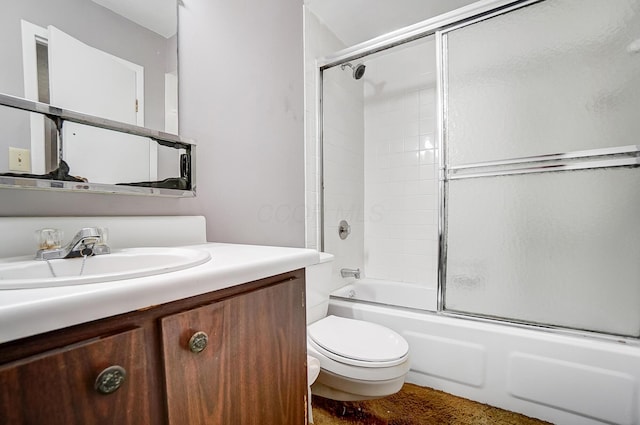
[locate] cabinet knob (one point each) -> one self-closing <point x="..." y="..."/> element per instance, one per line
<point x="198" y="342"/>
<point x="110" y="379"/>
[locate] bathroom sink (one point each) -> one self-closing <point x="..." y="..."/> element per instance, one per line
<point x="25" y="272"/>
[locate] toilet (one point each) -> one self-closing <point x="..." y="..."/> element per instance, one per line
<point x="358" y="360"/>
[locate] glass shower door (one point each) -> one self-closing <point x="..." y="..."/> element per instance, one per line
<point x="541" y="163"/>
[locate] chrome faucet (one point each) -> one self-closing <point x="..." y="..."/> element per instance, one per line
<point x="88" y="241"/>
<point x="350" y="273"/>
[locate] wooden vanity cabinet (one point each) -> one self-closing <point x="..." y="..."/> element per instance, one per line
<point x="234" y="356"/>
<point x="58" y="387"/>
<point x="252" y="368"/>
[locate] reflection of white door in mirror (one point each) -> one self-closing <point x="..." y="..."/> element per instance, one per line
<point x="82" y="78"/>
<point x="32" y="36"/>
<point x="171" y="102"/>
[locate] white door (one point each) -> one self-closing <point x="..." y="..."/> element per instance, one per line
<point x="88" y="80"/>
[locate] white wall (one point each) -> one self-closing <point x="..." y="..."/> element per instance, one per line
<point x="241" y="98"/>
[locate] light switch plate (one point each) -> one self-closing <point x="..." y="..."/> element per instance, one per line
<point x="19" y="159"/>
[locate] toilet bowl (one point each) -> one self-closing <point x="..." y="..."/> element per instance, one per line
<point x="358" y="360"/>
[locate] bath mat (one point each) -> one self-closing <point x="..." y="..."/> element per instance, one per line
<point x="415" y="405"/>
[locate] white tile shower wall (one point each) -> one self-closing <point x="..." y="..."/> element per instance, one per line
<point x="399" y="219"/>
<point x="319" y="41"/>
<point x="343" y="153"/>
<point x="401" y="155"/>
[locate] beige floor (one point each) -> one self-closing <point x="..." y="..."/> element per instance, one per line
<point x="415" y="405"/>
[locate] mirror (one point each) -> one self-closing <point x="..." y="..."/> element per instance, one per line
<point x="97" y="63"/>
<point x="111" y="35"/>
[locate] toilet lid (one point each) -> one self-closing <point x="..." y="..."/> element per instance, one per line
<point x="357" y="340"/>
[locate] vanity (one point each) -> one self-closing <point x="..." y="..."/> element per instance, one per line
<point x="223" y="342"/>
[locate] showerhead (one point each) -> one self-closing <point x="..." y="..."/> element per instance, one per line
<point x="358" y="70"/>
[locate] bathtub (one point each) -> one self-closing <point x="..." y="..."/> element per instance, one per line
<point x="561" y="377"/>
<point x="406" y="295"/>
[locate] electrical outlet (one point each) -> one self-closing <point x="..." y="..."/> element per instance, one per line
<point x="19" y="159"/>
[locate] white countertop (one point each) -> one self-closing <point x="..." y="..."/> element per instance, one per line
<point x="27" y="312"/>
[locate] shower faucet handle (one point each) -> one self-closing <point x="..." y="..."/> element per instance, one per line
<point x="344" y="229"/>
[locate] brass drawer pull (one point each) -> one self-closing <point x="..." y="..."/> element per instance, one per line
<point x="198" y="342"/>
<point x="110" y="379"/>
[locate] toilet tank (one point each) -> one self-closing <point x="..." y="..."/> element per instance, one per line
<point x="318" y="287"/>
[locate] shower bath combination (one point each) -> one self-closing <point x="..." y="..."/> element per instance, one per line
<point x="358" y="70"/>
<point x="410" y="140"/>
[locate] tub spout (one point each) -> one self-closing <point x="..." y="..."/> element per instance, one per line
<point x="350" y="273"/>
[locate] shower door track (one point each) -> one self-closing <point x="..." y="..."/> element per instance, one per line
<point x="542" y="327"/>
<point x="624" y="156"/>
<point x="454" y="19"/>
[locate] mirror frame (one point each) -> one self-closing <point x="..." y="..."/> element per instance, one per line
<point x="59" y="114"/>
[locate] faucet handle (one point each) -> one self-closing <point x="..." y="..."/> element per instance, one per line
<point x="103" y="232"/>
<point x="49" y="238"/>
<point x="100" y="245"/>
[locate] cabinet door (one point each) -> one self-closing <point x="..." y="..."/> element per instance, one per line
<point x="253" y="369"/>
<point x="197" y="383"/>
<point x="58" y="387"/>
<point x="269" y="352"/>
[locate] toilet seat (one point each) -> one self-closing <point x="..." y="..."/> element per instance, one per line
<point x="357" y="343"/>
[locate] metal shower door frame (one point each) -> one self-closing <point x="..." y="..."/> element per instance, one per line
<point x="620" y="156"/>
<point x="440" y="26"/>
